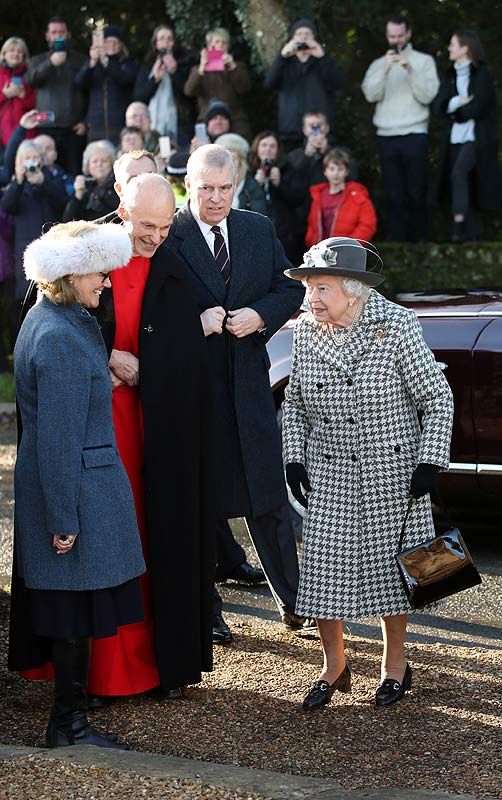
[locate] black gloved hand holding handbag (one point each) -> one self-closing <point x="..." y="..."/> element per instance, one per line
<point x="297" y="477"/>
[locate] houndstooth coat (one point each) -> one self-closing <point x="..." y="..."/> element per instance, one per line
<point x="350" y="416"/>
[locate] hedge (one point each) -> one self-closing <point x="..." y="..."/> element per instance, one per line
<point x="429" y="265"/>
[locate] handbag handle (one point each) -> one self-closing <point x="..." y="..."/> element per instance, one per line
<point x="444" y="510"/>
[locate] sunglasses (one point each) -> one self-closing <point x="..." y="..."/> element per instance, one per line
<point x="104" y="275"/>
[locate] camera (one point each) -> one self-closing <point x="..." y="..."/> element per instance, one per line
<point x="58" y="46"/>
<point x="395" y="49"/>
<point x="31" y="165"/>
<point x="164" y="51"/>
<point x="266" y="166"/>
<point x="302" y="46"/>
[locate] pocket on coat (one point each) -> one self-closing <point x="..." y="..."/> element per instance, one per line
<point x="99" y="456"/>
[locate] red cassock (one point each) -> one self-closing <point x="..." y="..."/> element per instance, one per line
<point x="124" y="664"/>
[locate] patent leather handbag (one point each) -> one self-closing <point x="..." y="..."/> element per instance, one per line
<point x="436" y="568"/>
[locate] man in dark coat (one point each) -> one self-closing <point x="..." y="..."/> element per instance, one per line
<point x="305" y="79"/>
<point x="235" y="264"/>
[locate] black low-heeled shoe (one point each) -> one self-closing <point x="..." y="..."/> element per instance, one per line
<point x="391" y="691"/>
<point x="321" y="692"/>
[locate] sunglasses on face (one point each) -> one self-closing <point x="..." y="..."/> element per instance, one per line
<point x="104" y="276"/>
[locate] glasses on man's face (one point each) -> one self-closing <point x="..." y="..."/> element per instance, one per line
<point x="104" y="276"/>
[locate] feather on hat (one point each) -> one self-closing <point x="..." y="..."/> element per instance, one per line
<point x="99" y="248"/>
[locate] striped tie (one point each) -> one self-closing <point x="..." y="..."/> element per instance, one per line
<point x="220" y="254"/>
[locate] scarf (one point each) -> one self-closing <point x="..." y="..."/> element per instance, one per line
<point x="162" y="107"/>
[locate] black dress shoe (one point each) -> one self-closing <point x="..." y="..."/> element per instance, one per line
<point x="391" y="691"/>
<point x="95" y="701"/>
<point x="165" y="694"/>
<point x="322" y="691"/>
<point x="221" y="632"/>
<point x="247" y="574"/>
<point x="80" y="734"/>
<point x="291" y="620"/>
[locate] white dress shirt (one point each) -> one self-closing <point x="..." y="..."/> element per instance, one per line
<point x="208" y="234"/>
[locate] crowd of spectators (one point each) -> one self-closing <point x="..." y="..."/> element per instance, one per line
<point x="65" y="116"/>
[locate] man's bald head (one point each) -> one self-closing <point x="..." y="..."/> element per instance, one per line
<point x="147" y="207"/>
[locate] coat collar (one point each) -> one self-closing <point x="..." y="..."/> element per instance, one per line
<point x="369" y="331"/>
<point x="195" y="251"/>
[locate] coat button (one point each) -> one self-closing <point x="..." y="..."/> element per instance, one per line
<point x="349" y="381"/>
<point x="353" y="457"/>
<point x="319" y="385"/>
<point x="149" y="328"/>
<point x="325" y="419"/>
<point x="351" y="420"/>
<point x="327" y="456"/>
<point x="397" y="448"/>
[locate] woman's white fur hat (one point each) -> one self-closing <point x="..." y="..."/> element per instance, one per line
<point x="101" y="249"/>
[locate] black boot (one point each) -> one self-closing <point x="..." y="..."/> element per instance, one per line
<point x="68" y="723"/>
<point x="457" y="232"/>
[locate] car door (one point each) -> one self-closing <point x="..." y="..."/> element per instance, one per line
<point x="487" y="405"/>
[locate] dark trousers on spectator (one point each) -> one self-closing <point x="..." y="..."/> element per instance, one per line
<point x="70" y="148"/>
<point x="403" y="160"/>
<point x="462" y="162"/>
<point x="274" y="541"/>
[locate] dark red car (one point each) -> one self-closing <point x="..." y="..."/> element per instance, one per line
<point x="464" y="330"/>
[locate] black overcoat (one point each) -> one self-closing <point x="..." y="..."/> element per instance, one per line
<point x="176" y="397"/>
<point x="249" y="473"/>
<point x="483" y="110"/>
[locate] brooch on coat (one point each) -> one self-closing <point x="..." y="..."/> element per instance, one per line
<point x="379" y="335"/>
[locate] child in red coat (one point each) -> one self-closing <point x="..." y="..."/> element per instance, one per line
<point x="339" y="208"/>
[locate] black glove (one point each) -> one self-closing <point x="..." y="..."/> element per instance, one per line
<point x="424" y="480"/>
<point x="296" y="476"/>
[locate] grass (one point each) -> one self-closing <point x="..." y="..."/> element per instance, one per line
<point x="7" y="391"/>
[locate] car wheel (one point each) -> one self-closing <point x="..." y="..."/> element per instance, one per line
<point x="296" y="510"/>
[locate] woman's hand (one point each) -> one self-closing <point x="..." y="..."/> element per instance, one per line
<point x="228" y="60"/>
<point x="63" y="544"/>
<point x="79" y="186"/>
<point x="289" y="49"/>
<point x="158" y="69"/>
<point x="260" y="177"/>
<point x="297" y="478"/>
<point x="95" y="55"/>
<point x="170" y="63"/>
<point x="13" y="90"/>
<point x="275" y="176"/>
<point x="20" y="172"/>
<point x="203" y="61"/>
<point x="424" y="480"/>
<point x="36" y="178"/>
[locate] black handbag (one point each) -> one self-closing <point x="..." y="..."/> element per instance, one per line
<point x="436" y="568"/>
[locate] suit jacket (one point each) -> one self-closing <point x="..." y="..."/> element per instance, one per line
<point x="250" y="477"/>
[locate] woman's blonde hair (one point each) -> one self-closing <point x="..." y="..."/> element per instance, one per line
<point x="25" y="147"/>
<point x="222" y="32"/>
<point x="92" y="148"/>
<point x="12" y="41"/>
<point x="61" y="291"/>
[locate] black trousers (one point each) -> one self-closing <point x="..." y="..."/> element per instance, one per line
<point x="462" y="162"/>
<point x="403" y="160"/>
<point x="274" y="542"/>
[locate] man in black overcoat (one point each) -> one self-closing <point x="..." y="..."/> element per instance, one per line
<point x="243" y="297"/>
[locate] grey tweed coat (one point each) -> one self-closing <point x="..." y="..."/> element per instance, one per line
<point x="68" y="476"/>
<point x="351" y="417"/>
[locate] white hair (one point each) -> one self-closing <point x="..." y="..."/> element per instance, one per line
<point x="234" y="142"/>
<point x="102" y="144"/>
<point x="25" y="147"/>
<point x="355" y="288"/>
<point x="210" y="156"/>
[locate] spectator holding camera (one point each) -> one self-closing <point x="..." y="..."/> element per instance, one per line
<point x="16" y="96"/>
<point x="219" y="75"/>
<point x="304" y="77"/>
<point x="94" y="195"/>
<point x="34" y="198"/>
<point x="160" y="85"/>
<point x="108" y="76"/>
<point x="339" y="207"/>
<point x="403" y="84"/>
<point x="282" y="189"/>
<point x="138" y="116"/>
<point x="53" y="74"/>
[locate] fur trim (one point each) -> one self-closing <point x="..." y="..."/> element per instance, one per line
<point x="102" y="250"/>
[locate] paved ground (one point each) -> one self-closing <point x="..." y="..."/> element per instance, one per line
<point x="444" y="737"/>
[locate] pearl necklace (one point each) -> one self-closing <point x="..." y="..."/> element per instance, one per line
<point x="341" y="335"/>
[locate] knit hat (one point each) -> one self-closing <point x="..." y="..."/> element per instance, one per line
<point x="304" y="22"/>
<point x="113" y="30"/>
<point x="216" y="108"/>
<point x="97" y="248"/>
<point x="341" y="256"/>
<point x="178" y="163"/>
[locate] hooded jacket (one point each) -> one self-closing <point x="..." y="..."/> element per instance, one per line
<point x="356" y="215"/>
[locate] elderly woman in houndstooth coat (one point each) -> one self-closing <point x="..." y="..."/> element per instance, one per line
<point x="354" y="449"/>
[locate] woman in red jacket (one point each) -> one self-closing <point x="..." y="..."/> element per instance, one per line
<point x="16" y="96"/>
<point x="339" y="208"/>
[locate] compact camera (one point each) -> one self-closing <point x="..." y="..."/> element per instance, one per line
<point x="31" y="165"/>
<point x="395" y="49"/>
<point x="164" y="51"/>
<point x="302" y="46"/>
<point x="266" y="166"/>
